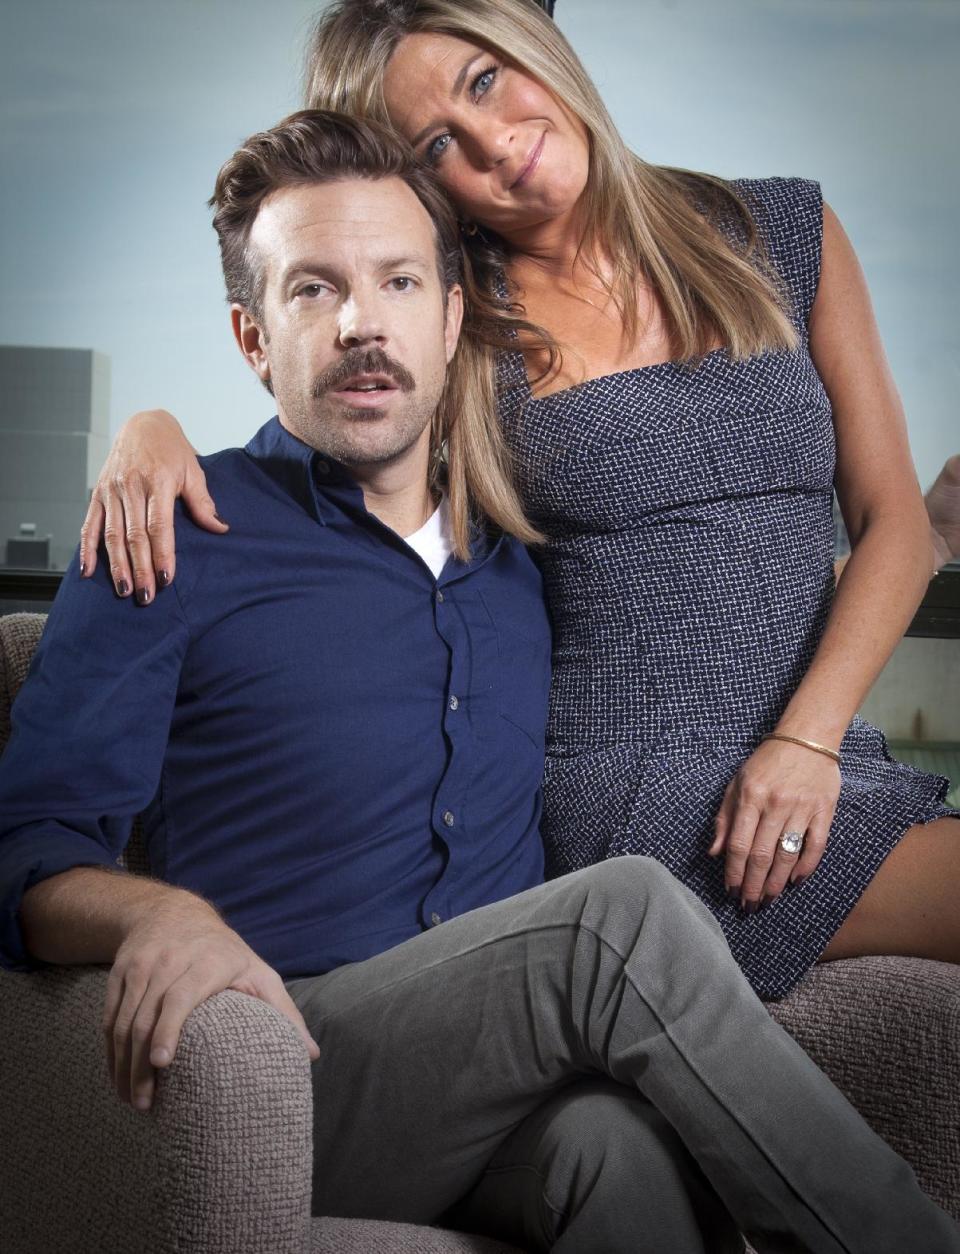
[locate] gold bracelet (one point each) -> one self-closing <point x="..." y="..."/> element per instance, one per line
<point x="807" y="744"/>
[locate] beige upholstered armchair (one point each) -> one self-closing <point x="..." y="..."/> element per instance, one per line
<point x="223" y="1163"/>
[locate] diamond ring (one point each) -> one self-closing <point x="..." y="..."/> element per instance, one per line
<point x="791" y="842"/>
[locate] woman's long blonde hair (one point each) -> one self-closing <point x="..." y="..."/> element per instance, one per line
<point x="651" y="223"/>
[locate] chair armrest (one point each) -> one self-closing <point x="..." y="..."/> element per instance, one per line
<point x="221" y="1164"/>
<point x="887" y="1032"/>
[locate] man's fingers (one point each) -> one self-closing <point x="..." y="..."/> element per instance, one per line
<point x="90" y="534"/>
<point x="134" y="988"/>
<point x="179" y="1000"/>
<point x="111" y="1005"/>
<point x="277" y="996"/>
<point x="142" y="1080"/>
<point x="199" y="503"/>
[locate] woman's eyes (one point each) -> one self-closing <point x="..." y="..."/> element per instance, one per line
<point x="437" y="148"/>
<point x="483" y="82"/>
<point x="478" y="88"/>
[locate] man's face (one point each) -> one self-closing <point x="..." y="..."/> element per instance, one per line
<point x="354" y="336"/>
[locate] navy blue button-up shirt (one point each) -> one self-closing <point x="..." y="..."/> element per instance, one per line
<point x="335" y="748"/>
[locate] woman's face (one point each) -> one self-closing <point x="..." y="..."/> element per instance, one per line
<point x="511" y="156"/>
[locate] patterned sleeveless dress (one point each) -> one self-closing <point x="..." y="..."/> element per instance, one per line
<point x="689" y="574"/>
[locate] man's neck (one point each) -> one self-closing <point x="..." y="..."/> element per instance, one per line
<point x="403" y="507"/>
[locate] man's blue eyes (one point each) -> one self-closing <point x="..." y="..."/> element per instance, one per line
<point x="479" y="87"/>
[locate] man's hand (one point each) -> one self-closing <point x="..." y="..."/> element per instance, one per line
<point x="174" y="957"/>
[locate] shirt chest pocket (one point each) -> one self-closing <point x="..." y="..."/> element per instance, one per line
<point x="522" y="664"/>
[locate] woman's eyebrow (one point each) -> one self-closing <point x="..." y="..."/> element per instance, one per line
<point x="458" y="84"/>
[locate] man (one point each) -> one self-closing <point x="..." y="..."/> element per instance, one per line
<point x="337" y="731"/>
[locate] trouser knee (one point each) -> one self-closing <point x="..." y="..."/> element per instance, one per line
<point x="633" y="881"/>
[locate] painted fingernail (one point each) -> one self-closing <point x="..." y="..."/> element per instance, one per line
<point x="162" y="578"/>
<point x="221" y="520"/>
<point x="733" y="894"/>
<point x="750" y="907"/>
<point x="143" y="596"/>
<point x="122" y="587"/>
<point x="801" y="879"/>
<point x="83" y="569"/>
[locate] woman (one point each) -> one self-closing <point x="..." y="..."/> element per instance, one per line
<point x="718" y="371"/>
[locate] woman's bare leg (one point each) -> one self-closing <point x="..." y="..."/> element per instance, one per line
<point x="910" y="905"/>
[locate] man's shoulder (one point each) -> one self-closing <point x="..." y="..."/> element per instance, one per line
<point x="240" y="490"/>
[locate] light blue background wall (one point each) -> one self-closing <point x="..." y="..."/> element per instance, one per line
<point x="116" y="115"/>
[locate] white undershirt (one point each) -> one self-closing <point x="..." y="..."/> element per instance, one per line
<point x="432" y="543"/>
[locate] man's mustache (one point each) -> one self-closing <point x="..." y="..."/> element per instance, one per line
<point x="363" y="361"/>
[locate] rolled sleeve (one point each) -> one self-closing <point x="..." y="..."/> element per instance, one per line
<point x="89" y="730"/>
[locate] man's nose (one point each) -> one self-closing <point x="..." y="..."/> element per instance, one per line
<point x="360" y="322"/>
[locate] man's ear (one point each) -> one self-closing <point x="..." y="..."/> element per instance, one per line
<point x="252" y="340"/>
<point x="454" y="320"/>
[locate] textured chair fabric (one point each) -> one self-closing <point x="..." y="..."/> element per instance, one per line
<point x="369" y="1236"/>
<point x="887" y="1032"/>
<point x="224" y="1162"/>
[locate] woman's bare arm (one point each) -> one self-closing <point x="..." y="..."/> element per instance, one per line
<point x="783" y="786"/>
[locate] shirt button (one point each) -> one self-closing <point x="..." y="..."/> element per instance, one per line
<point x="454" y="703"/>
<point x="439" y="597"/>
<point x="448" y="818"/>
<point x="435" y="918"/>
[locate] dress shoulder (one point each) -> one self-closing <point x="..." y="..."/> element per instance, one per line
<point x="788" y="215"/>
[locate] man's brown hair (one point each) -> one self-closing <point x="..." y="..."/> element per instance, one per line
<point x="317" y="146"/>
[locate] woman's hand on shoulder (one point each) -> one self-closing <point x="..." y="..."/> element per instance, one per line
<point x="150" y="464"/>
<point x="781" y="788"/>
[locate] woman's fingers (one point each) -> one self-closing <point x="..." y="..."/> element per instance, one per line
<point x="198" y="501"/>
<point x="133" y="500"/>
<point x="721" y="824"/>
<point x="162" y="563"/>
<point x="761" y="858"/>
<point x="743" y="827"/>
<point x="115" y="538"/>
<point x="90" y="534"/>
<point x="786" y="855"/>
<point x="814" y="844"/>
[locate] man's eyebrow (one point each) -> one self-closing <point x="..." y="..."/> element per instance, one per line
<point x="412" y="261"/>
<point x="458" y="83"/>
<point x="322" y="269"/>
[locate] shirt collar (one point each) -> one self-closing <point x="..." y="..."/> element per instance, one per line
<point x="322" y="486"/>
<point x="302" y="472"/>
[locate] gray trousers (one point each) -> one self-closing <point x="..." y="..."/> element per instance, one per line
<point x="584" y="1068"/>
